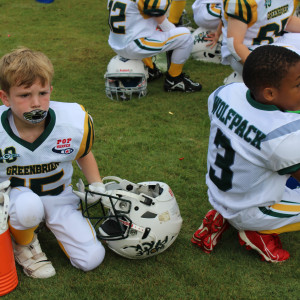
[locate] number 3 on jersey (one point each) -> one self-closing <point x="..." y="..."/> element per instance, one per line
<point x="224" y="182"/>
<point x="120" y="8"/>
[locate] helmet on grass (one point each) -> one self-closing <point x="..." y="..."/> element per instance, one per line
<point x="125" y="78"/>
<point x="201" y="51"/>
<point x="137" y="221"/>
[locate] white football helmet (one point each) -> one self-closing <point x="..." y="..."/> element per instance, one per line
<point x="137" y="220"/>
<point x="200" y="51"/>
<point x="233" y="77"/>
<point x="125" y="78"/>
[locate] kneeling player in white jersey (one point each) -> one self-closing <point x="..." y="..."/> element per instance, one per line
<point x="39" y="141"/>
<point x="253" y="149"/>
<point x="250" y="24"/>
<point x="134" y="35"/>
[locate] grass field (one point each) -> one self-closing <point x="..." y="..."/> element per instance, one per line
<point x="140" y="140"/>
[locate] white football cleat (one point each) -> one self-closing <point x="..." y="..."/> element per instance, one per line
<point x="34" y="262"/>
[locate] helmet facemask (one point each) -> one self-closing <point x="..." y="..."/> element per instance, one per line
<point x="114" y="221"/>
<point x="124" y="88"/>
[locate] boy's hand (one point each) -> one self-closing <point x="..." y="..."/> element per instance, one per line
<point x="4" y="190"/>
<point x="95" y="187"/>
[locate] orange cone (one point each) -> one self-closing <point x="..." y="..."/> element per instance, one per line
<point x="8" y="272"/>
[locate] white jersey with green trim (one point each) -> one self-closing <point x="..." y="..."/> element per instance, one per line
<point x="133" y="19"/>
<point x="45" y="166"/>
<point x="252" y="149"/>
<point x="266" y="20"/>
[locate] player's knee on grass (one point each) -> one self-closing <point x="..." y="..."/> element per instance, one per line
<point x="92" y="259"/>
<point x="27" y="209"/>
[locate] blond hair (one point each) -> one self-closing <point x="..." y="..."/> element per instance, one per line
<point x="23" y="67"/>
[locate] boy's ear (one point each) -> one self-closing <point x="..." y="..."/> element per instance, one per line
<point x="270" y="94"/>
<point x="4" y="98"/>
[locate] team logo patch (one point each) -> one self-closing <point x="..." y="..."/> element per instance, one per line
<point x="63" y="146"/>
<point x="9" y="156"/>
<point x="63" y="151"/>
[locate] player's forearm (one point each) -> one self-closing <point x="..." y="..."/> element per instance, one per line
<point x="293" y="24"/>
<point x="89" y="168"/>
<point x="219" y="29"/>
<point x="236" y="32"/>
<point x="242" y="52"/>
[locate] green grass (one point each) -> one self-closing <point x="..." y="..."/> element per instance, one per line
<point x="140" y="140"/>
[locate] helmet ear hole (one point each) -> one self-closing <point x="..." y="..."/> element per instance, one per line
<point x="125" y="78"/>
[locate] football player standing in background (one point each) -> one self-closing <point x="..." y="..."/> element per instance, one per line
<point x="39" y="141"/>
<point x="253" y="149"/>
<point x="134" y="35"/>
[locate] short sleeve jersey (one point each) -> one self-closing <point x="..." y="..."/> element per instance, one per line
<point x="252" y="149"/>
<point x="45" y="166"/>
<point x="132" y="19"/>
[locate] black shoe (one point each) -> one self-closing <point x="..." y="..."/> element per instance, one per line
<point x="154" y="73"/>
<point x="181" y="83"/>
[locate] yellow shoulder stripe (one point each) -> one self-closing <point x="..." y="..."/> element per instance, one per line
<point x="88" y="137"/>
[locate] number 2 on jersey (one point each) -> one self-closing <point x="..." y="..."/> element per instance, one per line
<point x="121" y="7"/>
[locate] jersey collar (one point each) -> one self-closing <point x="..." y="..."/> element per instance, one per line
<point x="259" y="105"/>
<point x="39" y="140"/>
